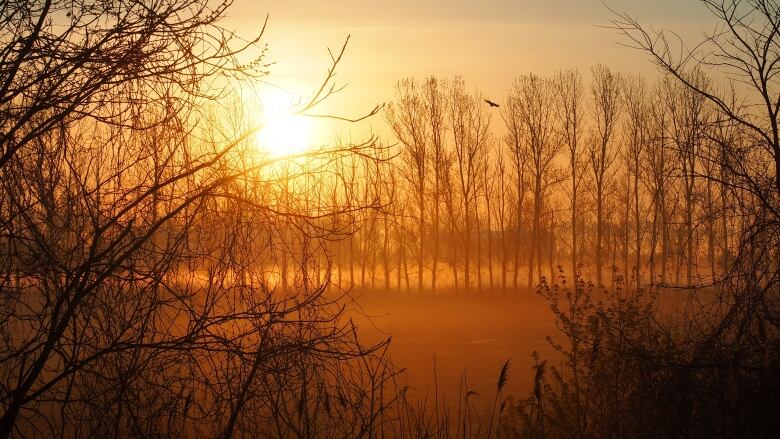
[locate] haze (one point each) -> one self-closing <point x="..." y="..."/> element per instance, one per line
<point x="504" y="219"/>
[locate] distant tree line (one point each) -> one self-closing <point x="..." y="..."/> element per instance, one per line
<point x="627" y="180"/>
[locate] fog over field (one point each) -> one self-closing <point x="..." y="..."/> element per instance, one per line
<point x="344" y="219"/>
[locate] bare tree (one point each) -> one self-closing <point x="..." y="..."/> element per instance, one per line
<point x="489" y="194"/>
<point x="512" y="116"/>
<point x="503" y="208"/>
<point x="695" y="128"/>
<point x="637" y="136"/>
<point x="658" y="180"/>
<point x="142" y="301"/>
<point x="451" y="205"/>
<point x="469" y="124"/>
<point x="606" y="92"/>
<point x="407" y="117"/>
<point x="687" y="120"/>
<point x="569" y="92"/>
<point x="744" y="49"/>
<point x="436" y="103"/>
<point x="531" y="113"/>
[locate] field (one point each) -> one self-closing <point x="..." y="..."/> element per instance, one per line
<point x="469" y="335"/>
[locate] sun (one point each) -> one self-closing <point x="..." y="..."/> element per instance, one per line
<point x="283" y="132"/>
<point x="285" y="135"/>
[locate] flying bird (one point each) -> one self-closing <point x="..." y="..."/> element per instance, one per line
<point x="491" y="103"/>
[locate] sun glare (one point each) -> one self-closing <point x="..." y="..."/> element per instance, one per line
<point x="283" y="133"/>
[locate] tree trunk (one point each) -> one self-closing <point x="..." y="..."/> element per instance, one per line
<point x="421" y="255"/>
<point x="467" y="247"/>
<point x="436" y="225"/>
<point x="599" y="235"/>
<point x="479" y="248"/>
<point x="637" y="231"/>
<point x="489" y="238"/>
<point x="574" y="231"/>
<point x="535" y="242"/>
<point x="552" y="249"/>
<point x="386" y="250"/>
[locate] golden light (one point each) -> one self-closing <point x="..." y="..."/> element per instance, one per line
<point x="284" y="133"/>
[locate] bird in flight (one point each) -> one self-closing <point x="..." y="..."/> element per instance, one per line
<point x="491" y="103"/>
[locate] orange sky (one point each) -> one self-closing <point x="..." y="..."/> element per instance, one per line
<point x="488" y="42"/>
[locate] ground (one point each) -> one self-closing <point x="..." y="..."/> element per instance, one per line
<point x="468" y="334"/>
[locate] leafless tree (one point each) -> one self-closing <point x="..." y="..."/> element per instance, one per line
<point x="687" y="120"/>
<point x="658" y="175"/>
<point x="503" y="208"/>
<point x="720" y="349"/>
<point x="512" y="116"/>
<point x="637" y="134"/>
<point x="569" y="92"/>
<point x="529" y="102"/>
<point x="606" y="92"/>
<point x="141" y="293"/>
<point x="407" y="117"/>
<point x="469" y="124"/>
<point x="436" y="103"/>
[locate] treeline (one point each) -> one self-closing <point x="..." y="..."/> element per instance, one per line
<point x="623" y="178"/>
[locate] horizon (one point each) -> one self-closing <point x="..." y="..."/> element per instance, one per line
<point x="472" y="221"/>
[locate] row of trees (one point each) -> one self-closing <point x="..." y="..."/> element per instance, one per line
<point x="698" y="362"/>
<point x="626" y="177"/>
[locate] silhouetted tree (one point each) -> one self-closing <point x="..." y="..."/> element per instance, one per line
<point x="142" y="231"/>
<point x="469" y="124"/>
<point x="637" y="135"/>
<point x="529" y="104"/>
<point x="407" y="117"/>
<point x="569" y="92"/>
<point x="606" y="92"/>
<point x="436" y="103"/>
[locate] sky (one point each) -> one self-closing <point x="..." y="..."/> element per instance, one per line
<point x="488" y="42"/>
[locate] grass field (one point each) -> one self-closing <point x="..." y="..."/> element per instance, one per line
<point x="470" y="335"/>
